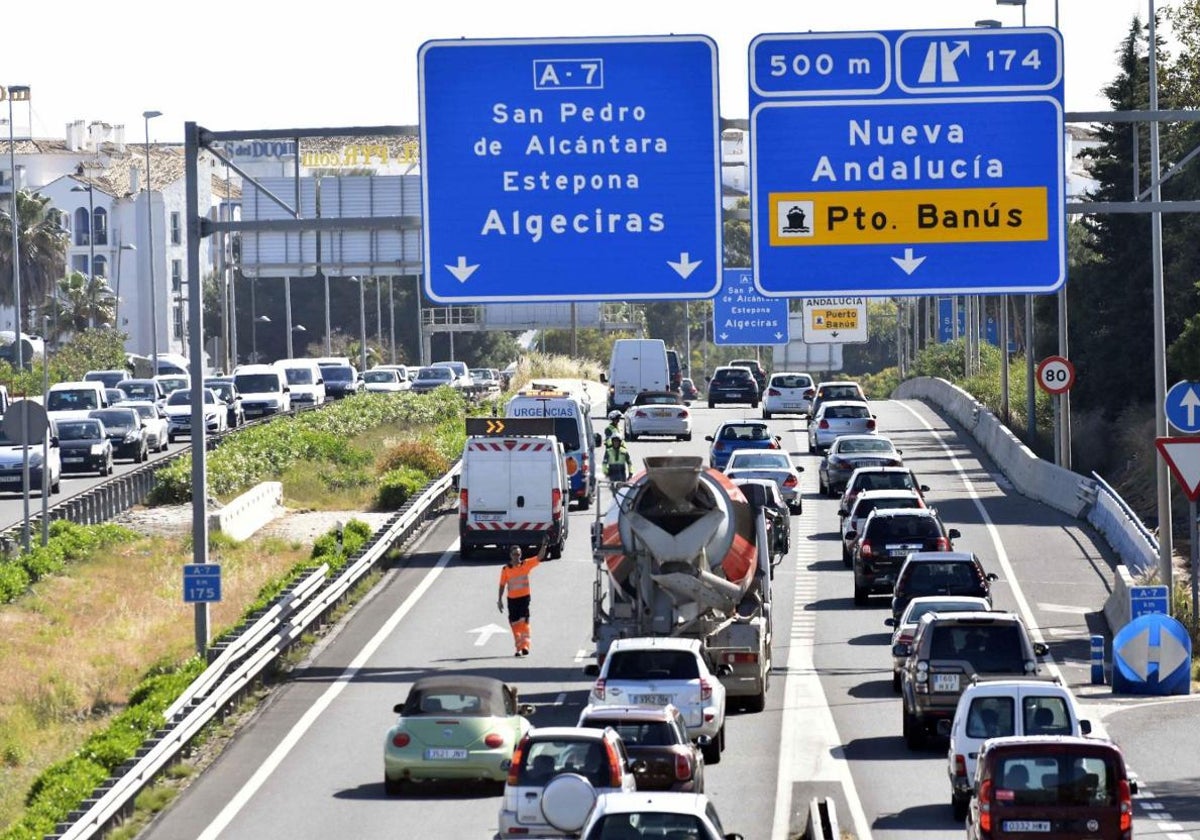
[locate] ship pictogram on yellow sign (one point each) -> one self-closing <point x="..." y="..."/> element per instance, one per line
<point x="879" y="217"/>
<point x="834" y="319"/>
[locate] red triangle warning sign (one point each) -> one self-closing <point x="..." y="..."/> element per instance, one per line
<point x="1182" y="455"/>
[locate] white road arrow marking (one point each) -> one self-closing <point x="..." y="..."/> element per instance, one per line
<point x="1190" y="402"/>
<point x="462" y="271"/>
<point x="684" y="267"/>
<point x="486" y="632"/>
<point x="908" y="263"/>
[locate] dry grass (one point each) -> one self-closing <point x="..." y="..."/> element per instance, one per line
<point x="78" y="644"/>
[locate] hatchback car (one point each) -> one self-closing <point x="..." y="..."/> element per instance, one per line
<point x="841" y="390"/>
<point x="788" y="393"/>
<point x="227" y="391"/>
<point x="179" y="413"/>
<point x="549" y="752"/>
<point x="154" y="418"/>
<point x="834" y="419"/>
<point x="941" y="573"/>
<point x="628" y="816"/>
<point x="429" y="378"/>
<point x="383" y="381"/>
<point x="739" y="434"/>
<point x="109" y="378"/>
<point x="1051" y="786"/>
<point x="947" y="650"/>
<point x="732" y="385"/>
<point x="775" y="465"/>
<point x="657" y="414"/>
<point x="83" y="446"/>
<point x="880" y="478"/>
<point x="454" y="727"/>
<point x="885" y="541"/>
<point x="143" y="389"/>
<point x="125" y="429"/>
<point x="756" y="370"/>
<point x="341" y="381"/>
<point x="43" y="475"/>
<point x="856" y="514"/>
<point x="688" y="390"/>
<point x="1003" y="708"/>
<point x="849" y="452"/>
<point x="656" y="739"/>
<point x="905" y="627"/>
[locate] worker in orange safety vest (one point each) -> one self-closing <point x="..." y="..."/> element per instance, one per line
<point x="515" y="578"/>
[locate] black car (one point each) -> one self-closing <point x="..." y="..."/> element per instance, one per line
<point x="940" y="573"/>
<point x="83" y="446"/>
<point x="674" y="371"/>
<point x="756" y="370"/>
<point x="887" y="538"/>
<point x="732" y="385"/>
<point x="763" y="494"/>
<point x="340" y="381"/>
<point x="124" y="429"/>
<point x="228" y="392"/>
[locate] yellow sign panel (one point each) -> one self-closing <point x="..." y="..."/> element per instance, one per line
<point x="909" y="217"/>
<point x="834" y="319"/>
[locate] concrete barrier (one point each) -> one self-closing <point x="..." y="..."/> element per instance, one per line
<point x="1116" y="608"/>
<point x="242" y="517"/>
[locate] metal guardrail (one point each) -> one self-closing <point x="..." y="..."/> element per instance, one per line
<point x="240" y="662"/>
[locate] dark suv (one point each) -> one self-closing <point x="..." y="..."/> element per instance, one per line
<point x="950" y="648"/>
<point x="731" y="384"/>
<point x="887" y="537"/>
<point x="940" y="573"/>
<point x="756" y="370"/>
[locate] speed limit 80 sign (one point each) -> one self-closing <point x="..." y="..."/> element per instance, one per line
<point x="1055" y="375"/>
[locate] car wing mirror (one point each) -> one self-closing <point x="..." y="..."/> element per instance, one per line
<point x="592" y="670"/>
<point x="944" y="726"/>
<point x="599" y="441"/>
<point x="398" y="708"/>
<point x="1133" y="786"/>
<point x="852" y="535"/>
<point x="902" y="649"/>
<point x="708" y="437"/>
<point x="924" y="488"/>
<point x="889" y="622"/>
<point x="1085" y="726"/>
<point x="954" y="533"/>
<point x="724" y="670"/>
<point x="993" y="576"/>
<point x="843" y="513"/>
<point x="1040" y="648"/>
<point x="526" y="709"/>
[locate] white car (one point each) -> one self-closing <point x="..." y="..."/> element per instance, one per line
<point x="173" y="381"/>
<point x="856" y="514"/>
<point x="662" y="670"/>
<point x="657" y="414"/>
<point x="179" y="413"/>
<point x="838" y="418"/>
<point x="773" y="464"/>
<point x="12" y="458"/>
<point x="667" y="815"/>
<point x="905" y="629"/>
<point x="383" y="381"/>
<point x="154" y="419"/>
<point x="999" y="708"/>
<point x="788" y="393"/>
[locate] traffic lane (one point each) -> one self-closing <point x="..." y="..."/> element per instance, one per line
<point x="1161" y="743"/>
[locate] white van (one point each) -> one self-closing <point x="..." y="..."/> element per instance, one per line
<point x="637" y="364"/>
<point x="264" y="390"/>
<point x="513" y="487"/>
<point x="306" y="381"/>
<point x="573" y="428"/>
<point x="73" y="400"/>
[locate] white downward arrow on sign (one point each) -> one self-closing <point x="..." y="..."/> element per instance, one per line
<point x="684" y="268"/>
<point x="486" y="632"/>
<point x="462" y="271"/>
<point x="908" y="262"/>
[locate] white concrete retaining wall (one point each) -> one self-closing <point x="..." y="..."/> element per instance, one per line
<point x="1116" y="608"/>
<point x="249" y="511"/>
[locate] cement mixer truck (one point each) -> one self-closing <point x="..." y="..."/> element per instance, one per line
<point x="681" y="553"/>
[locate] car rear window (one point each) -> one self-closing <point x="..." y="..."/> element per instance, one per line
<point x="653" y="664"/>
<point x="840" y="392"/>
<point x="990" y="648"/>
<point x="991" y="717"/>
<point x="791" y="381"/>
<point x="547" y="758"/>
<point x="905" y="528"/>
<point x="886" y="481"/>
<point x="865" y="506"/>
<point x="1060" y="777"/>
<point x="637" y="733"/>
<point x="931" y="576"/>
<point x="649" y="824"/>
<point x="856" y="445"/>
<point x="1045" y="715"/>
<point x="738" y="374"/>
<point x="846" y="412"/>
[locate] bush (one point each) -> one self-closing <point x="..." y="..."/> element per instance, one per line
<point x="68" y="542"/>
<point x="420" y="455"/>
<point x="398" y="486"/>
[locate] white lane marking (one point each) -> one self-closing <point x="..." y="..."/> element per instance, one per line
<point x="243" y="796"/>
<point x="1065" y="608"/>
<point x="581" y="655"/>
<point x="810" y="747"/>
<point x="560" y="699"/>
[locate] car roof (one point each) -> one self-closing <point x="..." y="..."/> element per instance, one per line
<point x="644" y="642"/>
<point x="835" y="382"/>
<point x="942" y="556"/>
<point x="1015" y="742"/>
<point x="988" y="617"/>
<point x="630" y="712"/>
<point x="854" y="437"/>
<point x="1018" y="684"/>
<point x="564" y="733"/>
<point x="760" y="423"/>
<point x="624" y="802"/>
<point x="888" y="513"/>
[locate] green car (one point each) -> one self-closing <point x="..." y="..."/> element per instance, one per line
<point x="454" y="727"/>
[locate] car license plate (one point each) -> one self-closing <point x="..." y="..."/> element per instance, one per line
<point x="445" y="753"/>
<point x="652" y="699"/>
<point x="488" y="517"/>
<point x="791" y="405"/>
<point x="1026" y="825"/>
<point x="946" y="682"/>
<point x="9" y="479"/>
<point x="72" y="460"/>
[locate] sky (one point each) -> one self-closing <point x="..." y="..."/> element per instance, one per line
<point x="266" y="64"/>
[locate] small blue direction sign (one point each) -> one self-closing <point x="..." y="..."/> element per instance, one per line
<point x="1182" y="406"/>
<point x="917" y="162"/>
<point x="1148" y="600"/>
<point x="1152" y="655"/>
<point x="201" y="583"/>
<point x="742" y="316"/>
<point x="570" y="169"/>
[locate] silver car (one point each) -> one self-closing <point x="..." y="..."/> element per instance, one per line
<point x="773" y="464"/>
<point x="834" y="419"/>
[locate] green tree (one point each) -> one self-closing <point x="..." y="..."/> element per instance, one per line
<point x="89" y="349"/>
<point x="737" y="239"/>
<point x="79" y="302"/>
<point x="42" y="242"/>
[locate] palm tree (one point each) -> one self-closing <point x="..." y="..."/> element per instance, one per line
<point x="43" y="247"/>
<point x="80" y="302"/>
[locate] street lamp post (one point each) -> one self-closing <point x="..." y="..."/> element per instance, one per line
<point x="362" y="321"/>
<point x="125" y="246"/>
<point x="287" y="309"/>
<point x="146" y="117"/>
<point x="259" y="319"/>
<point x="19" y="92"/>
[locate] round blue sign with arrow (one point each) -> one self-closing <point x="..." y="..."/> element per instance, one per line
<point x="1182" y="406"/>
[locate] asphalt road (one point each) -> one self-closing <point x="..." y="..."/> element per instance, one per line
<point x="309" y="763"/>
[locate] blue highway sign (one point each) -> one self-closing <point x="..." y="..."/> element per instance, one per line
<point x="201" y="583"/>
<point x="742" y="316"/>
<point x="1182" y="406"/>
<point x="571" y="169"/>
<point x="1148" y="600"/>
<point x="1152" y="655"/>
<point x="920" y="162"/>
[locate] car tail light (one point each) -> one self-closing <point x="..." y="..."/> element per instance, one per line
<point x="824" y="424"/>
<point x="462" y="503"/>
<point x="401" y="739"/>
<point x="1125" y="800"/>
<point x="960" y="765"/>
<point x="598" y="689"/>
<point x="683" y="414"/>
<point x="740" y="657"/>
<point x="922" y="678"/>
<point x="864" y="549"/>
<point x="809" y="394"/>
<point x="985" y="806"/>
<point x="773" y="445"/>
<point x="790" y="481"/>
<point x="904" y="638"/>
<point x="683" y="767"/>
<point x="514" y="769"/>
<point x="773" y="392"/>
<point x="705" y="690"/>
<point x="943" y="544"/>
<point x="493" y="740"/>
<point x="556" y="503"/>
<point x="871" y="424"/>
<point x="640" y="413"/>
<point x="585" y="466"/>
<point x="614" y="764"/>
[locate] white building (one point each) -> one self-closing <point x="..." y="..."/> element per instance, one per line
<point x="98" y="183"/>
